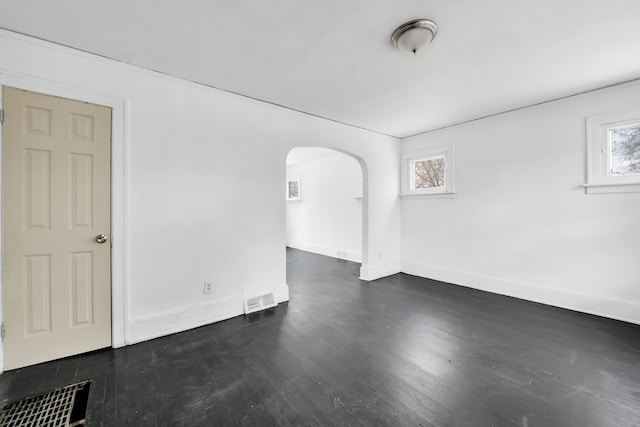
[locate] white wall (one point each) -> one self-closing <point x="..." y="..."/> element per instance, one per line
<point x="521" y="223"/>
<point x="203" y="174"/>
<point x="328" y="217"/>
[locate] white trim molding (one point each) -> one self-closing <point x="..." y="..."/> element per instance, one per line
<point x="378" y="271"/>
<point x="119" y="173"/>
<point x="587" y="303"/>
<point x="182" y="319"/>
<point x="599" y="154"/>
<point x="611" y="188"/>
<point x="407" y="170"/>
<point x="282" y="293"/>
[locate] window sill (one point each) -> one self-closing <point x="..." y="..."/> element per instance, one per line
<point x="632" y="187"/>
<point x="429" y="195"/>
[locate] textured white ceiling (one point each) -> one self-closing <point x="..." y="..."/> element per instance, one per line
<point x="334" y="58"/>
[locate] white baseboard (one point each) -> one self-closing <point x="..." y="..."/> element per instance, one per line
<point x="377" y="271"/>
<point x="282" y="293"/>
<point x="171" y="322"/>
<point x="327" y="251"/>
<point x="586" y="303"/>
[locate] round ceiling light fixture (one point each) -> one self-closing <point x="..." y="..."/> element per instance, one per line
<point x="414" y="36"/>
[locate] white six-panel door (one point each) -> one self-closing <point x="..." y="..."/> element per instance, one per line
<point x="56" y="204"/>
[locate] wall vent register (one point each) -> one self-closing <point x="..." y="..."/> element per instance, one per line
<point x="261" y="302"/>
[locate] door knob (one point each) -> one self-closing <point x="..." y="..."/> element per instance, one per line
<point x="101" y="238"/>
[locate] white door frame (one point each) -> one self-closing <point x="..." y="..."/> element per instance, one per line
<point x="119" y="276"/>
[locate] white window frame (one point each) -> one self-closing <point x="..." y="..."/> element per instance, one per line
<point x="293" y="179"/>
<point x="407" y="169"/>
<point x="598" y="154"/>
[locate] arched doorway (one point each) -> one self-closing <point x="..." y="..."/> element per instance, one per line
<point x="325" y="208"/>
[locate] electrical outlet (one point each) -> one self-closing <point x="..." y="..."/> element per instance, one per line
<point x="208" y="287"/>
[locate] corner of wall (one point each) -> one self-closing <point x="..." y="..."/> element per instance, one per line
<point x="378" y="271"/>
<point x="281" y="293"/>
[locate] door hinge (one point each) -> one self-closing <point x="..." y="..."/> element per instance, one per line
<point x="2" y="331"/>
<point x="1" y="116"/>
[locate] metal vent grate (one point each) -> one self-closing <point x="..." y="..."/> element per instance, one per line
<point x="62" y="407"/>
<point x="259" y="303"/>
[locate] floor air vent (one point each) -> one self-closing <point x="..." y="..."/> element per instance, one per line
<point x="258" y="303"/>
<point x="62" y="407"/>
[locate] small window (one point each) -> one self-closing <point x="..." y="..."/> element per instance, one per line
<point x="623" y="145"/>
<point x="428" y="172"/>
<point x="293" y="189"/>
<point x="614" y="152"/>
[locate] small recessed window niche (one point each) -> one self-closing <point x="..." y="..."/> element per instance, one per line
<point x="293" y="190"/>
<point x="613" y="151"/>
<point x="429" y="172"/>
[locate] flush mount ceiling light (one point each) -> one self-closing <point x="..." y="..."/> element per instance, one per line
<point x="414" y="36"/>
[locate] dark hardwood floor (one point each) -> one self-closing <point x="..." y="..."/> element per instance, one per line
<point x="397" y="351"/>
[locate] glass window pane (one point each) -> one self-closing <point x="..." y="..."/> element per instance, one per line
<point x="293" y="189"/>
<point x="624" y="150"/>
<point x="428" y="173"/>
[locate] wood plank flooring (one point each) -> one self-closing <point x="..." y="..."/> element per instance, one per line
<point x="399" y="351"/>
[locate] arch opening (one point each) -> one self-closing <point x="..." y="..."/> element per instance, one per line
<point x="326" y="207"/>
